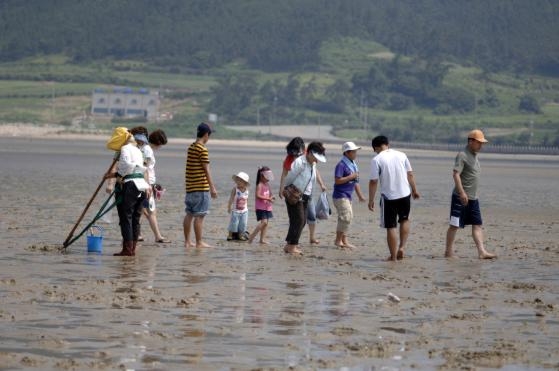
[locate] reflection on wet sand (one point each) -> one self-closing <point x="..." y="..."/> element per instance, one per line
<point x="241" y="306"/>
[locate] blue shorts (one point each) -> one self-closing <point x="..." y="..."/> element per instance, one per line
<point x="462" y="215"/>
<point x="263" y="214"/>
<point x="197" y="203"/>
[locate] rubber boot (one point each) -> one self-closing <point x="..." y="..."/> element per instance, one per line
<point x="127" y="247"/>
<point x="121" y="251"/>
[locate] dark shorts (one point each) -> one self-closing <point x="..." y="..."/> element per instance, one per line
<point x="393" y="212"/>
<point x="462" y="215"/>
<point x="263" y="214"/>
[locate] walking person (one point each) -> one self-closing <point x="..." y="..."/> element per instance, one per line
<point x="199" y="187"/>
<point x="397" y="185"/>
<point x="132" y="189"/>
<point x="263" y="200"/>
<point x="346" y="181"/>
<point x="464" y="207"/>
<point x="301" y="175"/>
<point x="148" y="145"/>
<point x="311" y="209"/>
<point x="237" y="207"/>
<point x="294" y="149"/>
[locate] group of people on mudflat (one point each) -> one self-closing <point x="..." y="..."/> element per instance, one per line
<point x="391" y="176"/>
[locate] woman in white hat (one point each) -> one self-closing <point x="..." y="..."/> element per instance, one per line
<point x="302" y="175"/>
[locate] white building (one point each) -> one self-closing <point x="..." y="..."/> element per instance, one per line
<point x="125" y="102"/>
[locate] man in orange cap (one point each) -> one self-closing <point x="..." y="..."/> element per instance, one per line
<point x="464" y="208"/>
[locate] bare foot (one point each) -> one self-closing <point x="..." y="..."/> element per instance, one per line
<point x="314" y="241"/>
<point x="400" y="255"/>
<point x="349" y="246"/>
<point x="340" y="244"/>
<point x="449" y="254"/>
<point x="202" y="244"/>
<point x="487" y="255"/>
<point x="189" y="244"/>
<point x="264" y="242"/>
<point x="292" y="249"/>
<point x="391" y="259"/>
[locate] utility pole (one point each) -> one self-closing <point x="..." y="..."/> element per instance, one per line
<point x="531" y="132"/>
<point x="274" y="112"/>
<point x="52" y="103"/>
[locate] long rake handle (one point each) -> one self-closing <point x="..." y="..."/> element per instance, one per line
<point x="66" y="243"/>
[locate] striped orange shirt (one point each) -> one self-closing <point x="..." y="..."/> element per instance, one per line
<point x="195" y="177"/>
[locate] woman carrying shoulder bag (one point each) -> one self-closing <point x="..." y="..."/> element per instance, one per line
<point x="302" y="175"/>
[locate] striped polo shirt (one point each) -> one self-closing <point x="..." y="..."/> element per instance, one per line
<point x="195" y="178"/>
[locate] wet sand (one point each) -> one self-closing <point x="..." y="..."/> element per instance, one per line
<point x="241" y="306"/>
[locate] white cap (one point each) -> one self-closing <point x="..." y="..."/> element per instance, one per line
<point x="319" y="157"/>
<point x="349" y="146"/>
<point x="243" y="176"/>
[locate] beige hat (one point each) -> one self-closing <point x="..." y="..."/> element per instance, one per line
<point x="243" y="176"/>
<point x="349" y="146"/>
<point x="477" y="135"/>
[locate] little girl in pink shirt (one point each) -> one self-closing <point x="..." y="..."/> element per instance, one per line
<point x="263" y="203"/>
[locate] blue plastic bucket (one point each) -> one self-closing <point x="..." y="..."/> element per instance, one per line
<point x="95" y="243"/>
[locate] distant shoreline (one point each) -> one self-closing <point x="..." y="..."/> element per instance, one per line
<point x="60" y="132"/>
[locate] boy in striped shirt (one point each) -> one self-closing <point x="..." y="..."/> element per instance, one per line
<point x="199" y="187"/>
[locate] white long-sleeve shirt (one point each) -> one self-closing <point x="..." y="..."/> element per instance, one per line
<point x="131" y="161"/>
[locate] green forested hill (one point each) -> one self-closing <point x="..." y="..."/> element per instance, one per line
<point x="416" y="70"/>
<point x="283" y="35"/>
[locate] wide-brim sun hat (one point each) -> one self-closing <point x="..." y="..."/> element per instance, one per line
<point x="349" y="146"/>
<point x="243" y="176"/>
<point x="319" y="157"/>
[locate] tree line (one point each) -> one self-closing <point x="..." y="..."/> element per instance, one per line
<point x="283" y="35"/>
<point x="394" y="85"/>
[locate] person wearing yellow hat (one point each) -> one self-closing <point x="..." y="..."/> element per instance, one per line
<point x="464" y="208"/>
<point x="132" y="189"/>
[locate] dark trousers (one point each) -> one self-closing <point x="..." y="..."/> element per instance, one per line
<point x="297" y="219"/>
<point x="130" y="211"/>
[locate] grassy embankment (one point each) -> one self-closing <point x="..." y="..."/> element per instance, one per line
<point x="44" y="90"/>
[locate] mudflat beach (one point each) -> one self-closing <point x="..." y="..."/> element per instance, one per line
<point x="249" y="307"/>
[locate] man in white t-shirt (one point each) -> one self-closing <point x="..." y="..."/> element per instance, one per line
<point x="397" y="185"/>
